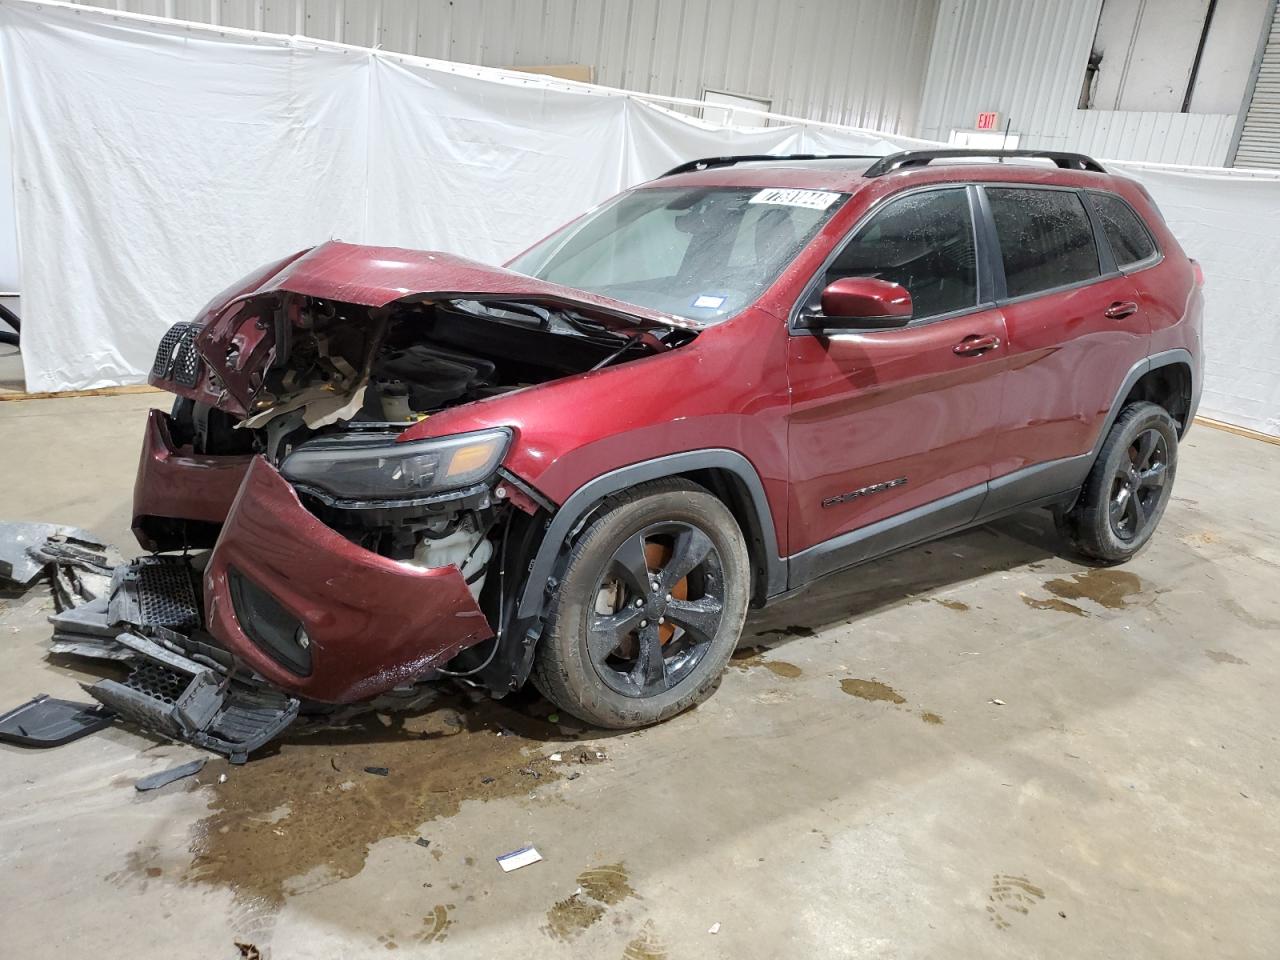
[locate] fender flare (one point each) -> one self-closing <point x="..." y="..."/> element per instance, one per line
<point x="516" y="659"/>
<point x="1136" y="373"/>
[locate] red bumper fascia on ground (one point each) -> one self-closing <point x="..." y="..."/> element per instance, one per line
<point x="372" y="623"/>
<point x="180" y="485"/>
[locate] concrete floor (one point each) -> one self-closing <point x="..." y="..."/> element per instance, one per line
<point x="11" y="376"/>
<point x="1121" y="800"/>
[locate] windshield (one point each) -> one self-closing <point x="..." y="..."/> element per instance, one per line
<point x="703" y="253"/>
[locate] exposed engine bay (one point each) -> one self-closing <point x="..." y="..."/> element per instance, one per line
<point x="347" y="376"/>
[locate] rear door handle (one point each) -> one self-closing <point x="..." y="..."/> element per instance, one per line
<point x="1120" y="309"/>
<point x="976" y="345"/>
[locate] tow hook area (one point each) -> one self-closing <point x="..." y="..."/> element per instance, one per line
<point x="181" y="684"/>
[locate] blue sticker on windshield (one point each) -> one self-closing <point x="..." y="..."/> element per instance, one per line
<point x="707" y="302"/>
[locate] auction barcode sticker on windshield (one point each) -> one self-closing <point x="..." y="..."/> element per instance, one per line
<point x="813" y="199"/>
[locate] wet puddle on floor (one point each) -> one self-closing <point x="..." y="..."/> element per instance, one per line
<point x="1053" y="603"/>
<point x="1105" y="587"/>
<point x="747" y="658"/>
<point x="598" y="888"/>
<point x="608" y="884"/>
<point x="871" y="690"/>
<point x="334" y="809"/>
<point x="572" y="915"/>
<point x="646" y="945"/>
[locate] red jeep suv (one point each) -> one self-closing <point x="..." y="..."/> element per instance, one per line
<point x="704" y="394"/>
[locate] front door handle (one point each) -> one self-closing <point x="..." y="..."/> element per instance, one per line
<point x="1120" y="309"/>
<point x="976" y="345"/>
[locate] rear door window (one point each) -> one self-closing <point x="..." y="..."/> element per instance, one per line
<point x="1129" y="239"/>
<point x="1046" y="238"/>
<point x="923" y="241"/>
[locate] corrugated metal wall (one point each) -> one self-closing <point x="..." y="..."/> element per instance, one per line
<point x="1195" y="139"/>
<point x="1259" y="143"/>
<point x="1026" y="59"/>
<point x="855" y="62"/>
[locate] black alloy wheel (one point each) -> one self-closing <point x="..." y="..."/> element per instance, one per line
<point x="648" y="609"/>
<point x="1138" y="485"/>
<point x="659" y="605"/>
<point x="1128" y="488"/>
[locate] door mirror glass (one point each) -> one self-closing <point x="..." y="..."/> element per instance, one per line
<point x="863" y="303"/>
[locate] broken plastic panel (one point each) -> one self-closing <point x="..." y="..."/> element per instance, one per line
<point x="44" y="721"/>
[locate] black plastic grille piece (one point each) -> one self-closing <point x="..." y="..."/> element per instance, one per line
<point x="186" y="365"/>
<point x="176" y="357"/>
<point x="155" y="592"/>
<point x="168" y="346"/>
<point x="157" y="682"/>
<point x="166" y="595"/>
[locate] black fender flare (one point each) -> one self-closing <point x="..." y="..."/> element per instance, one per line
<point x="1136" y="373"/>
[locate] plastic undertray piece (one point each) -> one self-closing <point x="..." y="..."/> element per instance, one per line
<point x="173" y="695"/>
<point x="44" y="721"/>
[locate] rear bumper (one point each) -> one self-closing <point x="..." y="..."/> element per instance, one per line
<point x="181" y="486"/>
<point x="370" y="623"/>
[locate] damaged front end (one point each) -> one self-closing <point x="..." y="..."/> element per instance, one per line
<point x="349" y="562"/>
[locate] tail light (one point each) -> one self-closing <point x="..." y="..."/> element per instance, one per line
<point x="1199" y="272"/>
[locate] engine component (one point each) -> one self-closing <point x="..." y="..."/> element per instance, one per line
<point x="465" y="549"/>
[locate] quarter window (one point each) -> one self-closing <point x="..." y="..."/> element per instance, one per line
<point x="1129" y="239"/>
<point x="1046" y="239"/>
<point x="923" y="241"/>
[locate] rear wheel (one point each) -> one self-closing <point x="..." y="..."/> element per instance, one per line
<point x="649" y="609"/>
<point x="1128" y="488"/>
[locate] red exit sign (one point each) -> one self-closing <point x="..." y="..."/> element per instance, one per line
<point x="989" y="121"/>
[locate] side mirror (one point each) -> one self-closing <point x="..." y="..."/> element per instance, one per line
<point x="861" y="303"/>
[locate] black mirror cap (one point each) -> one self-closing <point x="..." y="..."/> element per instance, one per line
<point x="817" y="322"/>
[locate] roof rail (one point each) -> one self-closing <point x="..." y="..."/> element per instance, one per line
<point x="708" y="162"/>
<point x="920" y="158"/>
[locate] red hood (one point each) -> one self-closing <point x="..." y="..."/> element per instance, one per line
<point x="239" y="349"/>
<point x="377" y="276"/>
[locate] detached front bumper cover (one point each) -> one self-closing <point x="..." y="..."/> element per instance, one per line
<point x="319" y="616"/>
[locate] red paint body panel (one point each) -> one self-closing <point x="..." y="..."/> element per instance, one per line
<point x="870" y="408"/>
<point x="374" y="623"/>
<point x="1066" y="361"/>
<point x="182" y="485"/>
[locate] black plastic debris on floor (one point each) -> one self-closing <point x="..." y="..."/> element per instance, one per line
<point x="45" y="721"/>
<point x="165" y="777"/>
<point x="78" y="565"/>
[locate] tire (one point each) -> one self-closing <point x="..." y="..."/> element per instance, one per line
<point x="1122" y="499"/>
<point x="595" y="604"/>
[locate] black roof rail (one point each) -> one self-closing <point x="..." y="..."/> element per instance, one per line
<point x="707" y="163"/>
<point x="921" y="158"/>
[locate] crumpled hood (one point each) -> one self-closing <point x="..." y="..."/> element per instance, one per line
<point x="239" y="347"/>
<point x="377" y="276"/>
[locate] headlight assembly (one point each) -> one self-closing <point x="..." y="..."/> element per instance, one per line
<point x="374" y="467"/>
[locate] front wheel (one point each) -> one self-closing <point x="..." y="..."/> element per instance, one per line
<point x="1127" y="490"/>
<point x="649" y="609"/>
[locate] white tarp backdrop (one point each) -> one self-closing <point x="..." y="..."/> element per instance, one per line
<point x="155" y="162"/>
